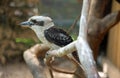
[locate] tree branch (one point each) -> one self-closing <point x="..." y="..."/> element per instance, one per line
<point x="109" y="21"/>
<point x="84" y="19"/>
<point x="49" y="64"/>
<point x="62" y="51"/>
<point x="83" y="48"/>
<point x="32" y="61"/>
<point x="73" y="25"/>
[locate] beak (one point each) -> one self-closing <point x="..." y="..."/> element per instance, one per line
<point x="26" y="23"/>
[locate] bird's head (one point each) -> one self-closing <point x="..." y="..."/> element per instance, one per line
<point x="38" y="22"/>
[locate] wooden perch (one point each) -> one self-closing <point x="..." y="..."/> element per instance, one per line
<point x="37" y="69"/>
<point x="49" y="60"/>
<point x="32" y="61"/>
<point x="83" y="48"/>
<point x="62" y="51"/>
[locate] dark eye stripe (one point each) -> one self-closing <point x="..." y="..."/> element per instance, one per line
<point x="40" y="23"/>
<point x="34" y="21"/>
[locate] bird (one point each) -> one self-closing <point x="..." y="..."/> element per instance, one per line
<point x="47" y="32"/>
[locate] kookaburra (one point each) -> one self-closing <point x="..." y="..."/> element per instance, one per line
<point x="47" y="33"/>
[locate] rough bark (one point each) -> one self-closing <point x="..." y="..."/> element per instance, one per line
<point x="96" y="13"/>
<point x="84" y="51"/>
<point x="30" y="56"/>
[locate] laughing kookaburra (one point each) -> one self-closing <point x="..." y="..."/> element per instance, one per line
<point x="45" y="30"/>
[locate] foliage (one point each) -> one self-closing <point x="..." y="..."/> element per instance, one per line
<point x="12" y="12"/>
<point x="26" y="41"/>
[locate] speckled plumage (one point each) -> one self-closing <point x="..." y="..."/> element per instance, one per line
<point x="57" y="36"/>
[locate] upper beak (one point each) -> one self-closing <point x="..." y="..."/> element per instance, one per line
<point x="26" y="23"/>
